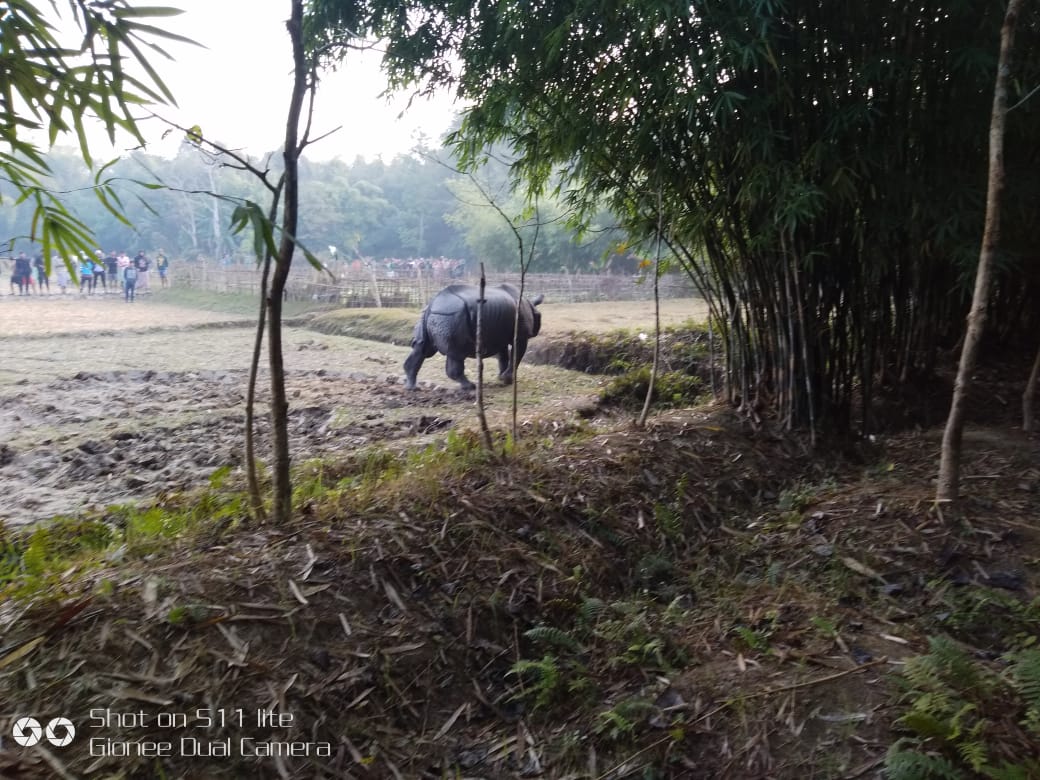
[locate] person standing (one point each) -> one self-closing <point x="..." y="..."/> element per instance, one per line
<point x="112" y="268"/>
<point x="86" y="274"/>
<point x="122" y="261"/>
<point x="22" y="275"/>
<point x="99" y="271"/>
<point x="42" y="280"/>
<point x="61" y="272"/>
<point x="130" y="274"/>
<point x="142" y="263"/>
<point x="162" y="265"/>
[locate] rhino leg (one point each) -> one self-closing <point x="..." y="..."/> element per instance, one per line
<point x="420" y="351"/>
<point x="505" y="372"/>
<point x="455" y="368"/>
<point x="412" y="365"/>
<point x="521" y="349"/>
<point x="505" y="368"/>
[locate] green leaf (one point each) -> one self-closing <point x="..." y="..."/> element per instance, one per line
<point x="146" y="12"/>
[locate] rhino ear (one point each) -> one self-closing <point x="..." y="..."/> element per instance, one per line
<point x="537" y="299"/>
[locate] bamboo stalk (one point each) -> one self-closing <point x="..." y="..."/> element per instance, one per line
<point x="481" y="414"/>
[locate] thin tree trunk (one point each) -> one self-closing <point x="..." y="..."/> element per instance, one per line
<point x="644" y="413"/>
<point x="806" y="369"/>
<point x="215" y="217"/>
<point x="375" y="283"/>
<point x="481" y="415"/>
<point x="711" y="356"/>
<point x="514" y="366"/>
<point x="786" y="324"/>
<point x="641" y="420"/>
<point x="281" y="509"/>
<point x="191" y="228"/>
<point x="1029" y="395"/>
<point x="255" y="498"/>
<point x="950" y="460"/>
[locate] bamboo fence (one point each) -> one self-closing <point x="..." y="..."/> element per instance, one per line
<point x="351" y="287"/>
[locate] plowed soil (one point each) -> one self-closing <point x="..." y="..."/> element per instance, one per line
<point x="104" y="402"/>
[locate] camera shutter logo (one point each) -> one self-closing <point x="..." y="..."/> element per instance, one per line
<point x="27" y="731"/>
<point x="60" y="732"/>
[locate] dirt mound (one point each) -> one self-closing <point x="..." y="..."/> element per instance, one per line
<point x="683" y="348"/>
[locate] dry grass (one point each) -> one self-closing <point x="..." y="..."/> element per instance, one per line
<point x="712" y="601"/>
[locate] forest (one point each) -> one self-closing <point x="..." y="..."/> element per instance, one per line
<point x="415" y="205"/>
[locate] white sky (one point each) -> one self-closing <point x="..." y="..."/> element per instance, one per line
<point x="237" y="88"/>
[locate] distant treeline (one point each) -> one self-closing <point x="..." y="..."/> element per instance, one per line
<point x="410" y="207"/>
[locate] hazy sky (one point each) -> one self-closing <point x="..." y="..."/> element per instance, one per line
<point x="237" y="88"/>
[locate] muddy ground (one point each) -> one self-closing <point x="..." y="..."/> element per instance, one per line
<point x="105" y="402"/>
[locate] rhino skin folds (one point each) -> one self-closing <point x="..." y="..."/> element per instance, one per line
<point x="448" y="325"/>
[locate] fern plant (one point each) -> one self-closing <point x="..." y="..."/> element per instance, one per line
<point x="592" y="610"/>
<point x="990" y="619"/>
<point x="620" y="721"/>
<point x="550" y="680"/>
<point x="540" y="680"/>
<point x="553" y="637"/>
<point x="966" y="719"/>
<point x="904" y="764"/>
<point x="1026" y="675"/>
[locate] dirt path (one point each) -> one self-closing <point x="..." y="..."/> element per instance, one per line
<point x="103" y="402"/>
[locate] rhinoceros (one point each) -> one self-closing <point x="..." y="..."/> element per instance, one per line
<point x="448" y="325"/>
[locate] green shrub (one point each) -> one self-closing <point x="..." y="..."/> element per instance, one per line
<point x="671" y="389"/>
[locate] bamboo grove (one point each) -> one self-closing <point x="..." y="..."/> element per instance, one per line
<point x="821" y="165"/>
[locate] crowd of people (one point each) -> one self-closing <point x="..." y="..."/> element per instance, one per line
<point x="393" y="267"/>
<point x="100" y="274"/>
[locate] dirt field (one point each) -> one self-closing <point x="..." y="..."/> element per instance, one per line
<point x="737" y="604"/>
<point x="599" y="317"/>
<point x="103" y="402"/>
